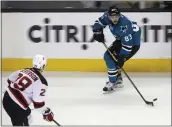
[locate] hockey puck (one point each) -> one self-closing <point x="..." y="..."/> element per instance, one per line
<point x="155" y="99"/>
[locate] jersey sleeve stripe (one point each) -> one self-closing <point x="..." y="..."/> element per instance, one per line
<point x="126" y="49"/>
<point x="38" y="104"/>
<point x="128" y="46"/>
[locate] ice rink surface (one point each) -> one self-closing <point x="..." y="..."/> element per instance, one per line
<point x="77" y="99"/>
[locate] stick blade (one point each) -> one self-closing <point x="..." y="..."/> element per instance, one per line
<point x="155" y="99"/>
<point x="149" y="103"/>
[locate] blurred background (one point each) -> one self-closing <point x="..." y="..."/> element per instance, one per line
<point x="87" y="4"/>
<point x="145" y="13"/>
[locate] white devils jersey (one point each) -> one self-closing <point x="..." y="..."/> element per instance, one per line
<point x="27" y="86"/>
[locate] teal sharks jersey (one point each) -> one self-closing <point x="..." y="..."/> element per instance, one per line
<point x="128" y="32"/>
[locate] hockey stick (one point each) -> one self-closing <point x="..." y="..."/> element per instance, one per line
<point x="53" y="119"/>
<point x="147" y="102"/>
<point x="56" y="123"/>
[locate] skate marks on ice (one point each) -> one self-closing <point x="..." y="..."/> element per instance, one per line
<point x="79" y="100"/>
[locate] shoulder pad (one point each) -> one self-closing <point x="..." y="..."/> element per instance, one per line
<point x="41" y="77"/>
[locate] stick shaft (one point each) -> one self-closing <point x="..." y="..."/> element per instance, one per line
<point x="56" y="122"/>
<point x="124" y="72"/>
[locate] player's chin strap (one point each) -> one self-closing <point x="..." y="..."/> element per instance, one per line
<point x="115" y="59"/>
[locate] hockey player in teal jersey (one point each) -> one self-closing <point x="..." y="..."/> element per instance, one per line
<point x="127" y="43"/>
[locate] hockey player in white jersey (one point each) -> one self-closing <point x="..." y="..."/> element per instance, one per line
<point x="25" y="87"/>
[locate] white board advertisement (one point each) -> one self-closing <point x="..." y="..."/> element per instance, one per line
<point x="69" y="35"/>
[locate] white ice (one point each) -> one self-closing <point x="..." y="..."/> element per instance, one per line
<point x="76" y="98"/>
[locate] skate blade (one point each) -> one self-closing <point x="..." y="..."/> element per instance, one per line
<point x="108" y="92"/>
<point x="119" y="87"/>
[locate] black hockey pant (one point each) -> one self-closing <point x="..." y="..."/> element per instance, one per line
<point x="17" y="114"/>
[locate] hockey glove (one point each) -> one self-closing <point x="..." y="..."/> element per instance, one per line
<point x="98" y="35"/>
<point x="48" y="115"/>
<point x="121" y="60"/>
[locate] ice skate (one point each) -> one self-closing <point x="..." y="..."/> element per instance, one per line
<point x="119" y="82"/>
<point x="109" y="86"/>
<point x="112" y="86"/>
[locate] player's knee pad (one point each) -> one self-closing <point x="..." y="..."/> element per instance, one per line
<point x="107" y="56"/>
<point x="110" y="63"/>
